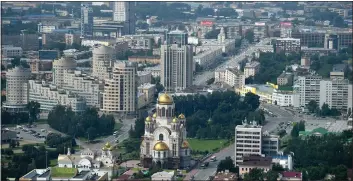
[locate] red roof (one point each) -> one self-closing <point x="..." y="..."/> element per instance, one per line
<point x="292" y="174"/>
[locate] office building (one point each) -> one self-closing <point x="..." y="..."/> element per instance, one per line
<point x="59" y="69"/>
<point x="86" y="19"/>
<point x="350" y="98"/>
<point x="120" y="91"/>
<point x="17" y="89"/>
<point x="308" y="88"/>
<point x="251" y="69"/>
<point x="307" y="52"/>
<point x="270" y="144"/>
<point x="124" y="11"/>
<point x="8" y="51"/>
<point x="102" y="61"/>
<point x="47" y="27"/>
<point x="260" y="31"/>
<point x="287" y="45"/>
<point x="248" y="141"/>
<point x="334" y="92"/>
<point x="176" y="62"/>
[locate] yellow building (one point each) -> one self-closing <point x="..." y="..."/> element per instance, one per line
<point x="264" y="91"/>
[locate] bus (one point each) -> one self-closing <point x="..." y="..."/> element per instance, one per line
<point x="213" y="158"/>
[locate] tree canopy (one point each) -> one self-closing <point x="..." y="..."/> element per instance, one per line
<point x="226" y="164"/>
<point x="215" y="115"/>
<point x="87" y="124"/>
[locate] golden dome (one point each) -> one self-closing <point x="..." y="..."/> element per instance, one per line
<point x="148" y="119"/>
<point x="161" y="146"/>
<point x="181" y="116"/>
<point x="165" y="99"/>
<point x="185" y="144"/>
<point x="107" y="146"/>
<point x="175" y="120"/>
<point x="154" y="115"/>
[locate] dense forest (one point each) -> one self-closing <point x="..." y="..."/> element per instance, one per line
<point x="87" y="124"/>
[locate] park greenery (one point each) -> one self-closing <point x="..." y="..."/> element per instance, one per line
<point x="272" y="65"/>
<point x="87" y="124"/>
<point x="325" y="110"/>
<point x="316" y="156"/>
<point x="214" y="116"/>
<point x="15" y="165"/>
<point x="22" y="117"/>
<point x="297" y="128"/>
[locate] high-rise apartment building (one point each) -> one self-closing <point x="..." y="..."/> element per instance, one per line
<point x="59" y="68"/>
<point x="86" y="19"/>
<point x="17" y="89"/>
<point x="102" y="61"/>
<point x="334" y="92"/>
<point x="308" y="88"/>
<point x="248" y="139"/>
<point x="260" y="31"/>
<point x="120" y="91"/>
<point x="124" y="11"/>
<point x="176" y="62"/>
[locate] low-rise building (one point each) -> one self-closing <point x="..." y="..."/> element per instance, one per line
<point x="144" y="77"/>
<point x="230" y="76"/>
<point x="164" y="175"/>
<point x="264" y="91"/>
<point x="55" y="173"/>
<point x="155" y="71"/>
<point x="286" y="161"/>
<point x="251" y="69"/>
<point x="145" y="59"/>
<point x="148" y="90"/>
<point x="254" y="161"/>
<point x="221" y="176"/>
<point x="290" y="176"/>
<point x="285" y="98"/>
<point x="285" y="78"/>
<point x="8" y="51"/>
<point x="317" y="50"/>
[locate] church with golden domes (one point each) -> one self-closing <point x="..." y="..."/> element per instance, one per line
<point x="164" y="142"/>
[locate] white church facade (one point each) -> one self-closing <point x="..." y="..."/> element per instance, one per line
<point x="164" y="142"/>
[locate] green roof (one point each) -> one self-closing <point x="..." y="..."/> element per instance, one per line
<point x="63" y="172"/>
<point x="319" y="130"/>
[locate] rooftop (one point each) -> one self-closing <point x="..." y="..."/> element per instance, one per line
<point x="262" y="88"/>
<point x="256" y="160"/>
<point x="63" y="172"/>
<point x="292" y="174"/>
<point x="285" y="75"/>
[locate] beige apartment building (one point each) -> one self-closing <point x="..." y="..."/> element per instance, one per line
<point x="103" y="60"/>
<point x="285" y="79"/>
<point x="120" y="91"/>
<point x="251" y="69"/>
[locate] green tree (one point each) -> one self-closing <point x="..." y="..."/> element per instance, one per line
<point x="252" y="100"/>
<point x="33" y="108"/>
<point x="254" y="174"/>
<point x="312" y="106"/>
<point x="210" y="81"/>
<point x="213" y="34"/>
<point x="272" y="175"/>
<point x="249" y="35"/>
<point x="226" y="164"/>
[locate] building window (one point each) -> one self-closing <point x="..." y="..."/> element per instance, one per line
<point x="159" y="154"/>
<point x="164" y="154"/>
<point x="160" y="137"/>
<point x="186" y="152"/>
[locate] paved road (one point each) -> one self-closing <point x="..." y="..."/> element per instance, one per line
<point x="233" y="62"/>
<point x="204" y="174"/>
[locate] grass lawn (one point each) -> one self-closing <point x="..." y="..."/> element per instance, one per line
<point x="63" y="172"/>
<point x="117" y="126"/>
<point x="53" y="162"/>
<point x="203" y="145"/>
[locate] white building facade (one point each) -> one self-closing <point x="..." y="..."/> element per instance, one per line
<point x="334" y="92"/>
<point x="164" y="142"/>
<point x="103" y="60"/>
<point x="248" y="140"/>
